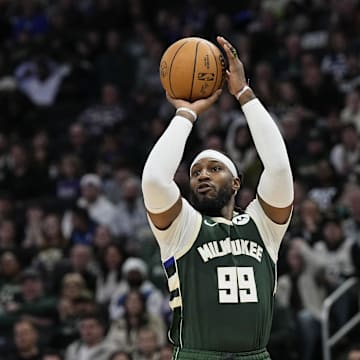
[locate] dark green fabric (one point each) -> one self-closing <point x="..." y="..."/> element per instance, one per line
<point x="186" y="354"/>
<point x="205" y="321"/>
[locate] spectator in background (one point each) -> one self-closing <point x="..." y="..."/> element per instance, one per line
<point x="79" y="145"/>
<point x="333" y="256"/>
<point x="92" y="344"/>
<point x="317" y="90"/>
<point x="26" y="339"/>
<point x="124" y="332"/>
<point x="68" y="180"/>
<point x="21" y="180"/>
<point x="113" y="187"/>
<point x="345" y="156"/>
<point x="54" y="244"/>
<point x="113" y="257"/>
<point x="352" y="224"/>
<point x="315" y="151"/>
<point x="102" y="239"/>
<point x="334" y="61"/>
<point x="66" y="328"/>
<point x="115" y="65"/>
<point x="41" y="156"/>
<point x="131" y="221"/>
<point x="299" y="290"/>
<point x="32" y="303"/>
<point x="29" y="20"/>
<point x="293" y="136"/>
<point x="79" y="226"/>
<point x="283" y="333"/>
<point x="111" y="151"/>
<point x="239" y="146"/>
<point x="73" y="287"/>
<point x="288" y="98"/>
<point x="351" y="80"/>
<point x="33" y="227"/>
<point x="148" y="345"/>
<point x="287" y="64"/>
<point x="100" y="209"/>
<point x="229" y="112"/>
<point x="79" y="261"/>
<point x="6" y="206"/>
<point x="107" y="115"/>
<point x="135" y="278"/>
<point x="121" y="355"/>
<point x="40" y="79"/>
<point x="10" y="287"/>
<point x="147" y="75"/>
<point x="309" y="222"/>
<point x="350" y="113"/>
<point x="8" y="236"/>
<point x="325" y="187"/>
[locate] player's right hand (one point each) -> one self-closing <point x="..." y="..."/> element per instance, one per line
<point x="198" y="106"/>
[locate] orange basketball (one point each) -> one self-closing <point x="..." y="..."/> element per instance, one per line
<point x="192" y="68"/>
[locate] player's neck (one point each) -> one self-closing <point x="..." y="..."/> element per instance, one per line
<point x="227" y="211"/>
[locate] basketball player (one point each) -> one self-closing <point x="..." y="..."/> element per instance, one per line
<point x="220" y="264"/>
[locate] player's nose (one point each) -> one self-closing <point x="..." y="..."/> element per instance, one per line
<point x="204" y="174"/>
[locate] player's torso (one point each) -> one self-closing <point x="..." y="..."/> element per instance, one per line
<point x="224" y="299"/>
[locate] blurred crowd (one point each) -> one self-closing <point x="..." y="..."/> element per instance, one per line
<point x="81" y="106"/>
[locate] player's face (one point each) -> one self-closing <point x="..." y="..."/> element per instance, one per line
<point x="212" y="186"/>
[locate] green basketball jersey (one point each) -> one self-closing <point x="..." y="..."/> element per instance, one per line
<point x="221" y="289"/>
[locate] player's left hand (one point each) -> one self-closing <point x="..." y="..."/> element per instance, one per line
<point x="235" y="74"/>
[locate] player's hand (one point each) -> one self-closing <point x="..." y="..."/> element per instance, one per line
<point x="235" y="75"/>
<point x="199" y="106"/>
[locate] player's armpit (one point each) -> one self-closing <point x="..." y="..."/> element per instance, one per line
<point x="277" y="215"/>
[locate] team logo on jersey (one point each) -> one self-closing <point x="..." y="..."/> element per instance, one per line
<point x="208" y="223"/>
<point x="241" y="219"/>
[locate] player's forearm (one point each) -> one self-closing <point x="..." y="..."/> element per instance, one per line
<point x="272" y="152"/>
<point x="159" y="189"/>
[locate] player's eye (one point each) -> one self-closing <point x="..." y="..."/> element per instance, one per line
<point x="216" y="168"/>
<point x="195" y="173"/>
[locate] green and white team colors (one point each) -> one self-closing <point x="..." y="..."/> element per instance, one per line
<point x="221" y="291"/>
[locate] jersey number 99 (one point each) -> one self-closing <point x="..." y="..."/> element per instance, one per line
<point x="236" y="285"/>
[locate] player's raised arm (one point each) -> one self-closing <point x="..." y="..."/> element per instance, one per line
<point x="161" y="195"/>
<point x="275" y="189"/>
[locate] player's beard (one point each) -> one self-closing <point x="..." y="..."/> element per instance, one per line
<point x="212" y="206"/>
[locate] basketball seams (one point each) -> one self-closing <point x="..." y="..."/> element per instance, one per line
<point x="194" y="69"/>
<point x="171" y="64"/>
<point x="217" y="69"/>
<point x="188" y="70"/>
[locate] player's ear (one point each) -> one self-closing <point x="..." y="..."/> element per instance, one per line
<point x="236" y="184"/>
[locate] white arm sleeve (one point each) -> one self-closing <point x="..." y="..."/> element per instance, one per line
<point x="276" y="182"/>
<point x="159" y="189"/>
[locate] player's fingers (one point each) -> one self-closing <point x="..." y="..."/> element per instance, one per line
<point x="229" y="49"/>
<point x="215" y="95"/>
<point x="168" y="96"/>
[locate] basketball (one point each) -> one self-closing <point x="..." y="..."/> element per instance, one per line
<point x="192" y="68"/>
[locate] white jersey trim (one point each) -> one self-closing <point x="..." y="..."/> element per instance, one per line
<point x="180" y="236"/>
<point x="270" y="232"/>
